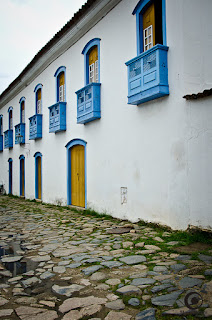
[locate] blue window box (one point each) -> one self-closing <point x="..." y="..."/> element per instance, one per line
<point x="35" y="127"/>
<point x="57" y="117"/>
<point x="8" y="139"/>
<point x="148" y="75"/>
<point x="88" y="103"/>
<point x="1" y="142"/>
<point x="20" y="133"/>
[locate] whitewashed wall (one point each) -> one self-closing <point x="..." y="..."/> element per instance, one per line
<point x="161" y="150"/>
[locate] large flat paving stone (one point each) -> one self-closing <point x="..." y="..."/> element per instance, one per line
<point x="90" y="270"/>
<point x="142" y="281"/>
<point x="75" y="303"/>
<point x="133" y="259"/>
<point x="111" y="264"/>
<point x="112" y="315"/>
<point x="188" y="282"/>
<point x="30" y="313"/>
<point x="66" y="290"/>
<point x="11" y="259"/>
<point x="129" y="289"/>
<point x="148" y="314"/>
<point x="166" y="299"/>
<point x="3" y="301"/>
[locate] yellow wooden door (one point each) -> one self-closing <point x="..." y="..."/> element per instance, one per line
<point x="77" y="176"/>
<point x="149" y="27"/>
<point x="22" y="177"/>
<point x="39" y="177"/>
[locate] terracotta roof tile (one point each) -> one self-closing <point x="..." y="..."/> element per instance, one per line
<point x="205" y="93"/>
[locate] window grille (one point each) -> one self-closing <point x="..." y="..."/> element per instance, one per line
<point x="148" y="38"/>
<point x="61" y="93"/>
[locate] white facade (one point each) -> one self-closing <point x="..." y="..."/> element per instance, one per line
<point x="161" y="150"/>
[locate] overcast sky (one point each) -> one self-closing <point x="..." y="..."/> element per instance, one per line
<point x="25" y="27"/>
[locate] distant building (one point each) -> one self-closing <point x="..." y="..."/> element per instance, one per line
<point x="114" y="113"/>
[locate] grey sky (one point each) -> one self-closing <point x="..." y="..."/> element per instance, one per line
<point x="25" y="27"/>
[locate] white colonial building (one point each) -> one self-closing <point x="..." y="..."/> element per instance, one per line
<point x="115" y="114"/>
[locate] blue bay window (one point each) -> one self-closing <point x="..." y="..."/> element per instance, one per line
<point x="20" y="128"/>
<point x="8" y="134"/>
<point x="89" y="97"/>
<point x="57" y="112"/>
<point x="35" y="127"/>
<point x="1" y="132"/>
<point x="57" y="117"/>
<point x="148" y="71"/>
<point x="35" y="121"/>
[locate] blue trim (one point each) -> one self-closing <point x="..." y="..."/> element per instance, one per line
<point x="140" y="6"/>
<point x="37" y="155"/>
<point x="85" y="52"/>
<point x="90" y="44"/>
<point x="20" y="101"/>
<point x="164" y="22"/>
<point x="10" y="160"/>
<point x="39" y="86"/>
<point x="1" y="132"/>
<point x="21" y="168"/>
<point x="1" y="124"/>
<point x="56" y="75"/>
<point x="138" y="11"/>
<point x="9" y="109"/>
<point x="69" y="145"/>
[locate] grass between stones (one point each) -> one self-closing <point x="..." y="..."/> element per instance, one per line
<point x="183" y="237"/>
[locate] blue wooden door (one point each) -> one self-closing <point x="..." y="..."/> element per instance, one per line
<point x="10" y="177"/>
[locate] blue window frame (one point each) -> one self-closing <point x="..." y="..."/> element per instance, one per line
<point x="22" y="175"/>
<point x="38" y="175"/>
<point x="86" y="51"/>
<point x="38" y="98"/>
<point x="60" y="76"/>
<point x="22" y="109"/>
<point x="160" y="22"/>
<point x="10" y="161"/>
<point x="1" y="132"/>
<point x="10" y="118"/>
<point x="1" y="124"/>
<point x="20" y="128"/>
<point x="8" y="134"/>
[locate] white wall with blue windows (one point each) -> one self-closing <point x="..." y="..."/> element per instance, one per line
<point x="160" y="150"/>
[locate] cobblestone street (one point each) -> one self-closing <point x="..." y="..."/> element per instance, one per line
<point x="57" y="263"/>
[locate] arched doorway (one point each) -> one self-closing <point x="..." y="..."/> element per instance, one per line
<point x="76" y="157"/>
<point x="10" y="176"/>
<point x="22" y="176"/>
<point x="38" y="175"/>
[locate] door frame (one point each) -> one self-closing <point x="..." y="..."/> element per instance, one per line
<point x="68" y="146"/>
<point x="37" y="155"/>
<point x="10" y="160"/>
<point x="21" y="181"/>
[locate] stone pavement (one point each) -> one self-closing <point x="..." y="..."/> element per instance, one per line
<point x="61" y="264"/>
